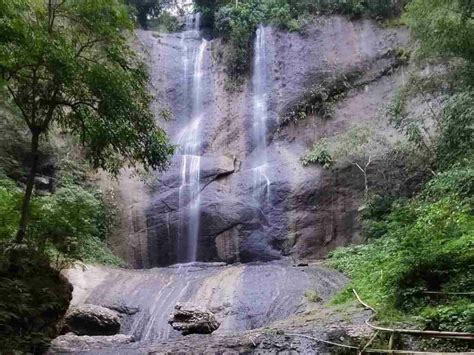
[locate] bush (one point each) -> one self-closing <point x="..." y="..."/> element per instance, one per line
<point x="165" y="22"/>
<point x="237" y="23"/>
<point x="319" y="154"/>
<point x="458" y="317"/>
<point x="312" y="296"/>
<point x="456" y="141"/>
<point x="10" y="200"/>
<point x="70" y="224"/>
<point x="424" y="244"/>
<point x="33" y="299"/>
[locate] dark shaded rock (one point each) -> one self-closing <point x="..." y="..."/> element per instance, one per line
<point x="89" y="319"/>
<point x="300" y="211"/>
<point x="192" y="320"/>
<point x="43" y="182"/>
<point x="71" y="342"/>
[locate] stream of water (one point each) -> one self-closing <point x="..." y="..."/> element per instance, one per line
<point x="261" y="185"/>
<point x="190" y="143"/>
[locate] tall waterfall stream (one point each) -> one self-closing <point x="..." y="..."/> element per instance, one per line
<point x="236" y="204"/>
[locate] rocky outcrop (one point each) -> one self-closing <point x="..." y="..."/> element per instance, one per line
<point x="74" y="343"/>
<point x="89" y="319"/>
<point x="191" y="320"/>
<point x="352" y="68"/>
<point x="240" y="296"/>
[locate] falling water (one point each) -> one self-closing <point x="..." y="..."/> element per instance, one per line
<point x="190" y="142"/>
<point x="261" y="185"/>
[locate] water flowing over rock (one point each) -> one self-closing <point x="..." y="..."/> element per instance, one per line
<point x="236" y="210"/>
<point x="241" y="297"/>
<point x="236" y="190"/>
<point x="261" y="185"/>
<point x="191" y="320"/>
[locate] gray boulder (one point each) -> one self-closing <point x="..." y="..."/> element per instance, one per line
<point x="73" y="343"/>
<point x="191" y="320"/>
<point x="89" y="319"/>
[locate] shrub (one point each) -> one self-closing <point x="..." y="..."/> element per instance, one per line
<point x="237" y="22"/>
<point x="456" y="141"/>
<point x="71" y="224"/>
<point x="165" y="22"/>
<point x="312" y="296"/>
<point x="33" y="299"/>
<point x="424" y="244"/>
<point x="319" y="154"/>
<point x="458" y="316"/>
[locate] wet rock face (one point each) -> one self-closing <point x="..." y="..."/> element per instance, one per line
<point x="301" y="211"/>
<point x="89" y="319"/>
<point x="191" y="320"/>
<point x="241" y="296"/>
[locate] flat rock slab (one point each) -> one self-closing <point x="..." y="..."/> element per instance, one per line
<point x="72" y="342"/>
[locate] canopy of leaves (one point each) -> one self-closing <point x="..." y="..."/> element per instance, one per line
<point x="236" y="21"/>
<point x="70" y="224"/>
<point x="427" y="245"/>
<point x="146" y="9"/>
<point x="444" y="27"/>
<point x="68" y="62"/>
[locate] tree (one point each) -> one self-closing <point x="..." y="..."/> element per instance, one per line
<point x="67" y="64"/>
<point x="146" y="8"/>
<point x="360" y="147"/>
<point x="444" y="26"/>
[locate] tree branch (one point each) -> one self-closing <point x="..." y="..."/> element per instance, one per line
<point x="18" y="104"/>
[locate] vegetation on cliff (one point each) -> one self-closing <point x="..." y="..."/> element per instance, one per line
<point x="66" y="69"/>
<point x="236" y="21"/>
<point x="419" y="255"/>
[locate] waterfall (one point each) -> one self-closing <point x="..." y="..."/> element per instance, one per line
<point x="190" y="142"/>
<point x="261" y="183"/>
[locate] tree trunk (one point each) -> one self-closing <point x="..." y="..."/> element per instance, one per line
<point x="25" y="208"/>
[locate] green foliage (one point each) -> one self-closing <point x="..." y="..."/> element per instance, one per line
<point x="443" y="135"/>
<point x="458" y="316"/>
<point x="71" y="224"/>
<point x="237" y="25"/>
<point x="237" y="21"/>
<point x="319" y="154"/>
<point x="165" y="22"/>
<point x="57" y="69"/>
<point x="145" y="9"/>
<point x="10" y="199"/>
<point x="443" y="26"/>
<point x="456" y="139"/>
<point x="312" y="296"/>
<point x="33" y="298"/>
<point x="426" y="244"/>
<point x="321" y="97"/>
<point x="374" y="214"/>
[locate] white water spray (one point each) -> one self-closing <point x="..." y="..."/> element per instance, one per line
<point x="190" y="142"/>
<point x="261" y="185"/>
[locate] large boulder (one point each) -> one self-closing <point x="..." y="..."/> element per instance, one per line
<point x="191" y="320"/>
<point x="74" y="343"/>
<point x="89" y="319"/>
